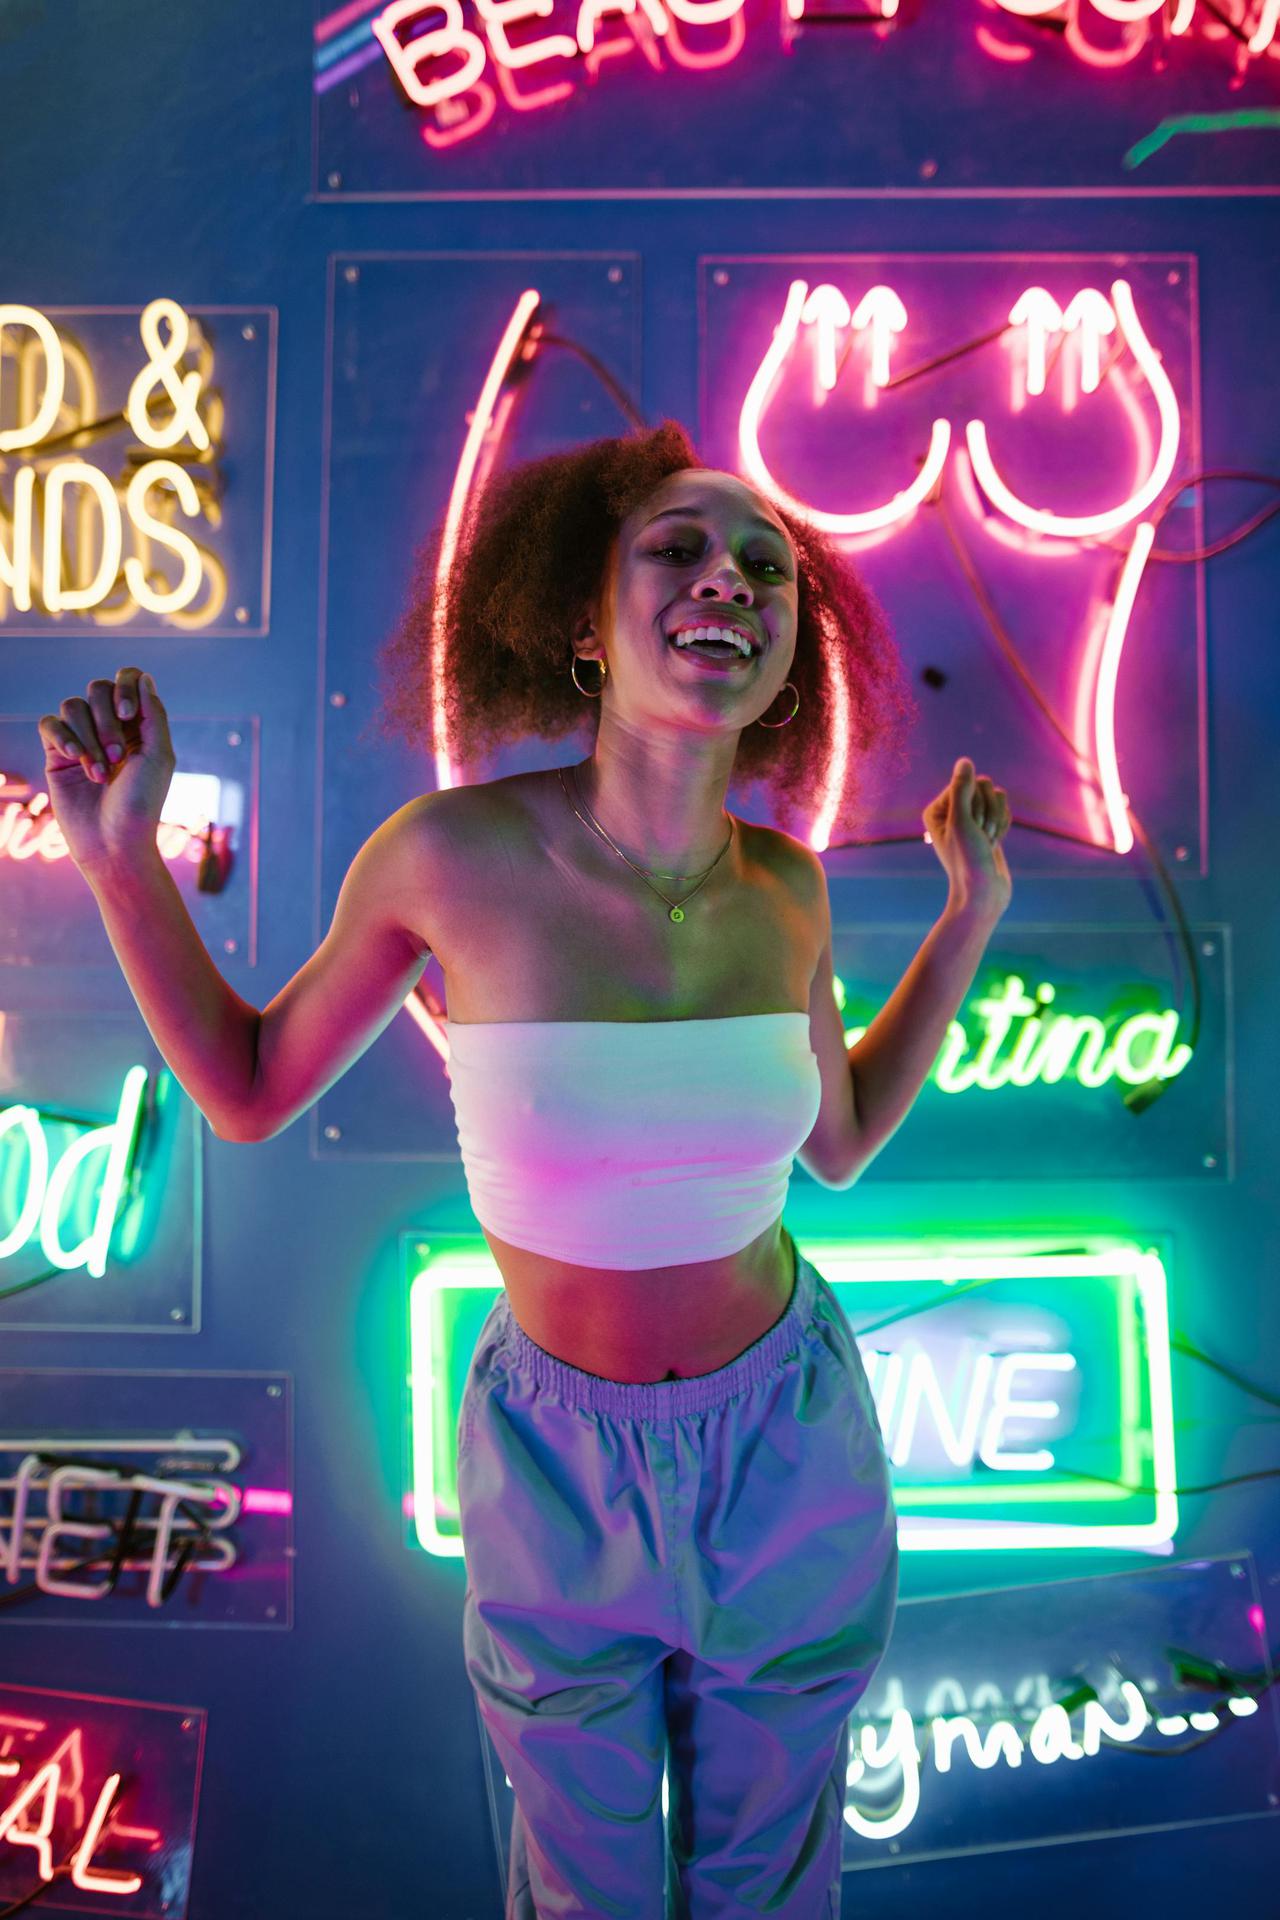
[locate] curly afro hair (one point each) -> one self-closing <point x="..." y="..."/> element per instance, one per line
<point x="524" y="570"/>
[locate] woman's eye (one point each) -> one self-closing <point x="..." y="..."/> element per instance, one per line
<point x="763" y="561"/>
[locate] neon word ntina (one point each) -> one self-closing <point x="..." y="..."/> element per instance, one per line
<point x="1142" y="1048"/>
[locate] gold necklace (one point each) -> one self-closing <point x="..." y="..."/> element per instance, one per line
<point x="674" y="910"/>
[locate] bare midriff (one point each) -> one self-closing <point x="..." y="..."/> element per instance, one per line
<point x="539" y="927"/>
<point x="651" y="1323"/>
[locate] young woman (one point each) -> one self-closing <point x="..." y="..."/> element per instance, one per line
<point x="680" y="1536"/>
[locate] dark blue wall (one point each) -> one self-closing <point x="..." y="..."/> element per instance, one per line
<point x="153" y="148"/>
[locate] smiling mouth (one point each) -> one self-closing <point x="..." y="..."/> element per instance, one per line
<point x="744" y="648"/>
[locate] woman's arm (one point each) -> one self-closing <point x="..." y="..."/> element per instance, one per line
<point x="253" y="1073"/>
<point x="206" y="1032"/>
<point x="358" y="978"/>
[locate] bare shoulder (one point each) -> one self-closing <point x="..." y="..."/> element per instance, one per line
<point x="794" y="863"/>
<point x="449" y="820"/>
<point x="412" y="867"/>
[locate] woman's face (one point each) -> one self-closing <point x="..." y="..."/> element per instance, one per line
<point x="702" y="548"/>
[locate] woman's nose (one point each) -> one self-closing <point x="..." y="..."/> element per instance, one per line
<point x="723" y="582"/>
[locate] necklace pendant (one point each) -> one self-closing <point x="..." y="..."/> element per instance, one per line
<point x="677" y="913"/>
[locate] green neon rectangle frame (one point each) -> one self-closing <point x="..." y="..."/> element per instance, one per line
<point x="450" y="1286"/>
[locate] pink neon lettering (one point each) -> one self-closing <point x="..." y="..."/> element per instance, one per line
<point x="408" y="56"/>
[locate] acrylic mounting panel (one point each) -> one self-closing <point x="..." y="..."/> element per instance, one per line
<point x="136" y="456"/>
<point x="101" y="1165"/>
<point x="1022" y="1383"/>
<point x="160" y="1499"/>
<point x="991" y="439"/>
<point x="48" y="915"/>
<point x="119" y="1781"/>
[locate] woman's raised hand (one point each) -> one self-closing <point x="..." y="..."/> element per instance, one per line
<point x="108" y="762"/>
<point x="965" y="825"/>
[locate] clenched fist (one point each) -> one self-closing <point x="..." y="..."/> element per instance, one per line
<point x="109" y="762"/>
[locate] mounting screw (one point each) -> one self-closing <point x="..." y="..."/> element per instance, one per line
<point x="335" y="180"/>
<point x="720" y="278"/>
<point x="351" y="275"/>
<point x="242" y="615"/>
<point x="233" y="739"/>
<point x="271" y="1613"/>
<point x="248" y="331"/>
<point x="928" y="168"/>
<point x="615" y="274"/>
<point x="187" y="1725"/>
<point x="332" y="1133"/>
<point x="230" y="946"/>
<point x="1209" y="947"/>
<point x="1174" y="278"/>
<point x="274" y="1390"/>
<point x="176" y="1313"/>
<point x="1209" y="1160"/>
<point x="337" y="699"/>
<point x="1182" y="853"/>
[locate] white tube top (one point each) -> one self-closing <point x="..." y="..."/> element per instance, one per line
<point x="628" y="1144"/>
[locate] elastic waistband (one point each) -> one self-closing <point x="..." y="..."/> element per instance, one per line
<point x="665" y="1399"/>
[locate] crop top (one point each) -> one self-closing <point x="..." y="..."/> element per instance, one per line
<point x="631" y="1144"/>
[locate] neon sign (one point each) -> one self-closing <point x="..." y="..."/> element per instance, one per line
<point x="63" y="1802"/>
<point x="190" y="1513"/>
<point x="150" y="538"/>
<point x="1063" y="365"/>
<point x="35" y="1200"/>
<point x="455" y="66"/>
<point x="1143" y="1047"/>
<point x="1253" y="28"/>
<point x="1048" y="1737"/>
<point x="29" y="830"/>
<point x="962" y="1401"/>
<point x="1087" y="318"/>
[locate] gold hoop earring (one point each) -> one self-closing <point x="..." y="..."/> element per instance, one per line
<point x="794" y="711"/>
<point x="604" y="674"/>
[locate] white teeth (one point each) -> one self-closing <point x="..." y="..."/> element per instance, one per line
<point x="689" y="634"/>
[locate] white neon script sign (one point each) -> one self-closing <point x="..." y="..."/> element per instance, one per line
<point x="101" y="516"/>
<point x="47" y="1186"/>
<point x="1048" y="1739"/>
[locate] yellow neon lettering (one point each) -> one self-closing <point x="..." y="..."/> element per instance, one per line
<point x="179" y="543"/>
<point x="163" y="361"/>
<point x="54" y="382"/>
<point x="15" y="566"/>
<point x="68" y="474"/>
